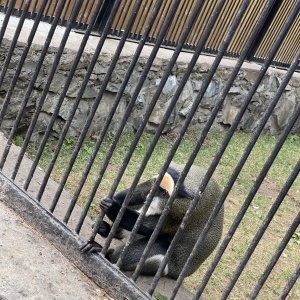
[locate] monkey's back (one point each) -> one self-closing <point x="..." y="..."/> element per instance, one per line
<point x="197" y="221"/>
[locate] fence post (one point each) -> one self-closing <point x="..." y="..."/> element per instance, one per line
<point x="264" y="28"/>
<point x="104" y="14"/>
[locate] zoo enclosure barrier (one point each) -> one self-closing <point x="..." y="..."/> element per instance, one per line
<point x="213" y="18"/>
<point x="258" y="51"/>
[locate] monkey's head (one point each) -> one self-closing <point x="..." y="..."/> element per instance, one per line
<point x="142" y="190"/>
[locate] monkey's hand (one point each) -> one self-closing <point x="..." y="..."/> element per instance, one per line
<point x="110" y="208"/>
<point x="91" y="247"/>
<point x="107" y="204"/>
<point x="104" y="229"/>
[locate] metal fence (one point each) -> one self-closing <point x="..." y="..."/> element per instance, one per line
<point x="182" y="13"/>
<point x="234" y="230"/>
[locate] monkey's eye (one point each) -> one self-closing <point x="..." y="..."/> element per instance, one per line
<point x="164" y="193"/>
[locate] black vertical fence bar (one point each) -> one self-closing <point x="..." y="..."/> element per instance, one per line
<point x="158" y="132"/>
<point x="95" y="105"/>
<point x="5" y="5"/>
<point x="88" y="13"/>
<point x="172" y="31"/>
<point x="14" y="81"/>
<point x="39" y="65"/>
<point x="264" y="29"/>
<point x="46" y="17"/>
<point x="136" y="92"/>
<point x="49" y="18"/>
<point x="139" y="133"/>
<point x="108" y="121"/>
<point x="75" y="106"/>
<point x="185" y="173"/>
<point x="33" y="11"/>
<point x="138" y="20"/>
<point x="142" y="21"/>
<point x="129" y="108"/>
<point x="224" y="93"/>
<point x="261" y="230"/>
<point x="47" y="85"/>
<point x="10" y="54"/>
<point x="82" y="15"/>
<point x="63" y="16"/>
<point x="19" y="10"/>
<point x="104" y="14"/>
<point x="275" y="258"/>
<point x="160" y="16"/>
<point x="198" y="29"/>
<point x="189" y="118"/>
<point x="58" y="105"/>
<point x="244" y="158"/>
<point x="222" y="97"/>
<point x="8" y="13"/>
<point x="225" y="193"/>
<point x="123" y="22"/>
<point x="226" y="141"/>
<point x="114" y="31"/>
<point x="248" y="200"/>
<point x="294" y="277"/>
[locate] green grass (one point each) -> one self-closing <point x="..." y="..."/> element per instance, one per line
<point x="265" y="197"/>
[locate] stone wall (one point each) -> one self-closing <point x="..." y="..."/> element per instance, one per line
<point x="237" y="93"/>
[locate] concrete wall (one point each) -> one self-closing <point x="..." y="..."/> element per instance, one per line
<point x="237" y="93"/>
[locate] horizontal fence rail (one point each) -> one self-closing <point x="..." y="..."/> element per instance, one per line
<point x="68" y="173"/>
<point x="269" y="29"/>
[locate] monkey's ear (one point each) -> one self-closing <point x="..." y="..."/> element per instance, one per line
<point x="167" y="183"/>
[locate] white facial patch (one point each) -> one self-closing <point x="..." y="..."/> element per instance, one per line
<point x="154" y="208"/>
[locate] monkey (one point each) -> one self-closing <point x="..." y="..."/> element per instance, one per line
<point x="192" y="231"/>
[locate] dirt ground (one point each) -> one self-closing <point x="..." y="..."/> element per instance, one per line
<point x="31" y="268"/>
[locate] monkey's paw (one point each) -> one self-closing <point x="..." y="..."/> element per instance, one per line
<point x="106" y="204"/>
<point x="104" y="229"/>
<point x="91" y="247"/>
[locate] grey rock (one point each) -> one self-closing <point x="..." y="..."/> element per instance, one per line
<point x="237" y="93"/>
<point x="169" y="85"/>
<point x="230" y="114"/>
<point x="57" y="83"/>
<point x="284" y="110"/>
<point x="212" y="89"/>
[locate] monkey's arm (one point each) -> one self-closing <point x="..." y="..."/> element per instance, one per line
<point x="104" y="228"/>
<point x="111" y="209"/>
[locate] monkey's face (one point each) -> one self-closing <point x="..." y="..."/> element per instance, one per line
<point x="138" y="197"/>
<point x="141" y="192"/>
<point x="158" y="202"/>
